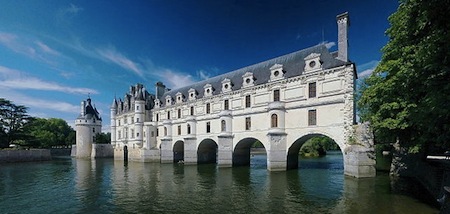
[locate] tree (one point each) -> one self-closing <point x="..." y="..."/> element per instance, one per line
<point x="318" y="146"/>
<point x="103" y="138"/>
<point x="407" y="98"/>
<point x="12" y="120"/>
<point x="45" y="133"/>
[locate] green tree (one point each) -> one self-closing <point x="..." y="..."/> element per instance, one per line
<point x="45" y="133"/>
<point x="407" y="98"/>
<point x="318" y="146"/>
<point x="12" y="120"/>
<point x="103" y="138"/>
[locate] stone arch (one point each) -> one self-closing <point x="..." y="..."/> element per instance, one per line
<point x="178" y="151"/>
<point x="207" y="151"/>
<point x="293" y="150"/>
<point x="241" y="151"/>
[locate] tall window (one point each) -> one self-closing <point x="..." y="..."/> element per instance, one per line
<point x="157" y="132"/>
<point x="93" y="130"/>
<point x="223" y="125"/>
<point x="157" y="117"/>
<point x="119" y="133"/>
<point x="192" y="110"/>
<point x="132" y="133"/>
<point x="248" y="123"/>
<point x="208" y="108"/>
<point x="168" y="115"/>
<point x="226" y="104"/>
<point x="208" y="127"/>
<point x="312" y="89"/>
<point x="137" y="120"/>
<point x="165" y="131"/>
<point x="312" y="121"/>
<point x="274" y="121"/>
<point x="247" y="101"/>
<point x="179" y="130"/>
<point x="179" y="113"/>
<point x="276" y="95"/>
<point x="188" y="129"/>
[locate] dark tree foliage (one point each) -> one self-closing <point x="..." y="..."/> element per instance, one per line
<point x="318" y="146"/>
<point x="407" y="98"/>
<point x="12" y="120"/>
<point x="45" y="133"/>
<point x="103" y="138"/>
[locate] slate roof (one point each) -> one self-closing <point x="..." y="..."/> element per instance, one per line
<point x="90" y="111"/>
<point x="293" y="65"/>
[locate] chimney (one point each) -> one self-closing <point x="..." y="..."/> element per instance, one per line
<point x="343" y="22"/>
<point x="160" y="89"/>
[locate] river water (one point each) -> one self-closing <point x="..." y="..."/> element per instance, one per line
<point x="107" y="186"/>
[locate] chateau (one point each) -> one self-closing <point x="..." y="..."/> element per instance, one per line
<point x="281" y="102"/>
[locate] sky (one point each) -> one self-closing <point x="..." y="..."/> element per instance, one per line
<point x="54" y="54"/>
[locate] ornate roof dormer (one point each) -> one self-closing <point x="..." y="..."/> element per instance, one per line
<point x="248" y="80"/>
<point x="179" y="97"/>
<point x="168" y="100"/>
<point x="227" y="85"/>
<point x="312" y="62"/>
<point x="192" y="94"/>
<point x="208" y="90"/>
<point x="276" y="72"/>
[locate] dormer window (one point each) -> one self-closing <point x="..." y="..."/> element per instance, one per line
<point x="168" y="100"/>
<point x="157" y="103"/>
<point x="192" y="94"/>
<point x="248" y="79"/>
<point x="313" y="62"/>
<point x="226" y="85"/>
<point x="276" y="72"/>
<point x="208" y="90"/>
<point x="180" y="97"/>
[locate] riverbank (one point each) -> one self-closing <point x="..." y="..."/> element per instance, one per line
<point x="7" y="155"/>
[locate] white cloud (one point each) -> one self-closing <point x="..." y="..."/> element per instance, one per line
<point x="14" y="79"/>
<point x="74" y="9"/>
<point x="47" y="49"/>
<point x="203" y="74"/>
<point x="367" y="68"/>
<point x="327" y="44"/>
<point x="175" y="79"/>
<point x="111" y="55"/>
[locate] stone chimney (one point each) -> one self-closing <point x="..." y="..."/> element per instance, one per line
<point x="343" y="23"/>
<point x="160" y="89"/>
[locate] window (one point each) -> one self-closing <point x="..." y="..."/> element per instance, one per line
<point x="179" y="130"/>
<point x="312" y="89"/>
<point x="192" y="110"/>
<point x="312" y="117"/>
<point x="119" y="133"/>
<point x="137" y="134"/>
<point x="248" y="123"/>
<point x="157" y="132"/>
<point x="274" y="121"/>
<point x="152" y="134"/>
<point x="168" y="115"/>
<point x="93" y="130"/>
<point x="208" y="127"/>
<point x="276" y="95"/>
<point x="118" y="121"/>
<point x="165" y="131"/>
<point x="132" y="133"/>
<point x="188" y="129"/>
<point x="226" y="104"/>
<point x="208" y="108"/>
<point x="179" y="113"/>
<point x="247" y="101"/>
<point x="223" y="126"/>
<point x="137" y="107"/>
<point x="137" y="120"/>
<point x="157" y="117"/>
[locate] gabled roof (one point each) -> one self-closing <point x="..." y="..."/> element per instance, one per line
<point x="293" y="64"/>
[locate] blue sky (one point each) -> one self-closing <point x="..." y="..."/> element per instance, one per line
<point x="54" y="53"/>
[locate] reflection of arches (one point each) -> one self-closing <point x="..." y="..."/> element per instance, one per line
<point x="293" y="152"/>
<point x="178" y="151"/>
<point x="241" y="153"/>
<point x="207" y="151"/>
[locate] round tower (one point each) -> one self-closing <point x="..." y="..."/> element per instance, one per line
<point x="139" y="115"/>
<point x="88" y="124"/>
<point x="113" y="121"/>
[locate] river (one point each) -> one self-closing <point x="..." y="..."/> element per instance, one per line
<point x="106" y="186"/>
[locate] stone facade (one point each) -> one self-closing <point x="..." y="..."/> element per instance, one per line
<point x="280" y="102"/>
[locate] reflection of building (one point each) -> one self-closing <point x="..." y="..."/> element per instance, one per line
<point x="88" y="125"/>
<point x="280" y="102"/>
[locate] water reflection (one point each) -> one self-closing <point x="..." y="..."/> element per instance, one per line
<point x="109" y="186"/>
